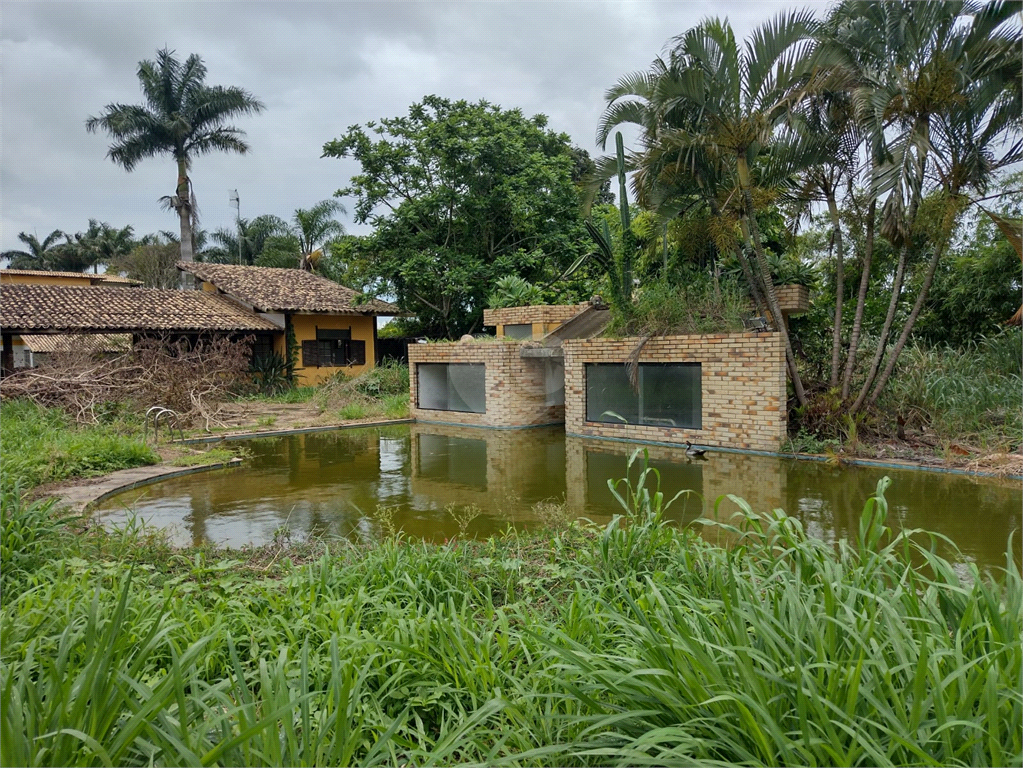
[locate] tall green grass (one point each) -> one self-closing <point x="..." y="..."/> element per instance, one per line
<point x="963" y="393"/>
<point x="42" y="445"/>
<point x="635" y="643"/>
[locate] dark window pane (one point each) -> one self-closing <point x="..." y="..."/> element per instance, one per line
<point x="452" y="386"/>
<point x="670" y="395"/>
<point x="523" y="331"/>
<point x="332" y="334"/>
<point x="609" y="396"/>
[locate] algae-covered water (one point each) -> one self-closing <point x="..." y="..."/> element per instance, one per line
<point x="331" y="483"/>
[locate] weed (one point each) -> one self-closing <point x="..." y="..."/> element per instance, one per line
<point x="353" y="412"/>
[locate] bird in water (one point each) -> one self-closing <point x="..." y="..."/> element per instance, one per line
<point x="694" y="453"/>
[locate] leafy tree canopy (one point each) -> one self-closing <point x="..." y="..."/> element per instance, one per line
<point x="460" y="195"/>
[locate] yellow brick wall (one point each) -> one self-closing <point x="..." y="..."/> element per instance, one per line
<point x="515" y="387"/>
<point x="305" y="329"/>
<point x="744" y="388"/>
<point x="552" y="314"/>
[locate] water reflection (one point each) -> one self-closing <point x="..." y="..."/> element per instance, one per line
<point x="330" y="483"/>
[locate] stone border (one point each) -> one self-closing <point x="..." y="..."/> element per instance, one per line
<point x="81" y="496"/>
<point x="912" y="466"/>
<point x="285" y="432"/>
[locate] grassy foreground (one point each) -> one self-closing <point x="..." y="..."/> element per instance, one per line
<point x="635" y="644"/>
<point x="42" y="445"/>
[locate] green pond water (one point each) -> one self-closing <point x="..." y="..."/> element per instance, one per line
<point x="330" y="483"/>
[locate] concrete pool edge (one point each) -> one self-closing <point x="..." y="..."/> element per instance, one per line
<point x="912" y="466"/>
<point x="296" y="431"/>
<point x="81" y="497"/>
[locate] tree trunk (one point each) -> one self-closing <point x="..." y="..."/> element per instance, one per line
<point x="836" y="332"/>
<point x="882" y="340"/>
<point x="861" y="302"/>
<point x="748" y="272"/>
<point x="183" y="206"/>
<point x="908" y="327"/>
<point x="765" y="270"/>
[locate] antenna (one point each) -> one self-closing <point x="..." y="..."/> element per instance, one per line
<point x="236" y="201"/>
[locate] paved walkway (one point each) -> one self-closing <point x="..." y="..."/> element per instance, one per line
<point x="87" y="492"/>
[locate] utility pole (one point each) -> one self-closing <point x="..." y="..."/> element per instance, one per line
<point x="237" y="203"/>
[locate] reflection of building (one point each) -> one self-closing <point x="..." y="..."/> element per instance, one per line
<point x="589" y="464"/>
<point x="492" y="469"/>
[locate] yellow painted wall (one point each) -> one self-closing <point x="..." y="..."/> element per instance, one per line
<point x="305" y="329"/>
<point x="44" y="280"/>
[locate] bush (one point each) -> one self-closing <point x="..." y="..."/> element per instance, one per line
<point x="41" y="445"/>
<point x="662" y="309"/>
<point x="966" y="393"/>
<point x="513" y="291"/>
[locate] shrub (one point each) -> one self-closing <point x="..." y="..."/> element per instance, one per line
<point x="662" y="309"/>
<point x="513" y="291"/>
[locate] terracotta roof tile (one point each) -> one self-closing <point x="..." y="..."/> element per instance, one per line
<point x="82" y="309"/>
<point x="270" y="289"/>
<point x="103" y="279"/>
<point x="93" y="342"/>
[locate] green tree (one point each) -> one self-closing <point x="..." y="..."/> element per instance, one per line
<point x="182" y="117"/>
<point x="726" y="103"/>
<point x="246" y="242"/>
<point x="37" y="254"/>
<point x="937" y="88"/>
<point x="154" y="264"/>
<point x="460" y="195"/>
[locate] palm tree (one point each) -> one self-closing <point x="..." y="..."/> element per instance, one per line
<point x="182" y="117"/>
<point x="315" y="227"/>
<point x="912" y="66"/>
<point x="722" y="104"/>
<point x="39" y="254"/>
<point x="244" y="244"/>
<point x="828" y="119"/>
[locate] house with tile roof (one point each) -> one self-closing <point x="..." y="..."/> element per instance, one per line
<point x="333" y="327"/>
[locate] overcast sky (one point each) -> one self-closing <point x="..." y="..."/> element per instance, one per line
<point x="318" y="67"/>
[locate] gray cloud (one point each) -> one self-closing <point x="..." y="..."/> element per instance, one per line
<point x="319" y="67"/>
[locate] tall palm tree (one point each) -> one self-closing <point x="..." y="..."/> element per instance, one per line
<point x="39" y="255"/>
<point x="182" y="117"/>
<point x="315" y="227"/>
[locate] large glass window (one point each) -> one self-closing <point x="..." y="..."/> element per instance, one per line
<point x="669" y="395"/>
<point x="519" y="331"/>
<point x="452" y="387"/>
